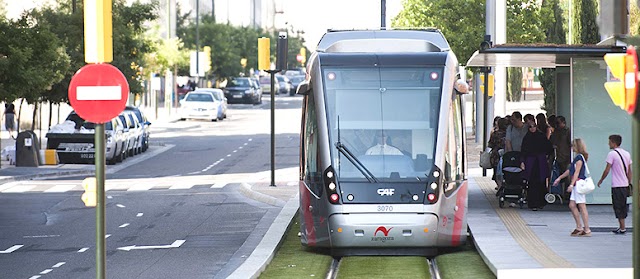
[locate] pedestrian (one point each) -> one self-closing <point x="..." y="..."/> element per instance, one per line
<point x="543" y="126"/>
<point x="561" y="141"/>
<point x="529" y="119"/>
<point x="619" y="163"/>
<point x="577" y="201"/>
<point x="9" y="118"/>
<point x="515" y="132"/>
<point x="497" y="145"/>
<point x="535" y="149"/>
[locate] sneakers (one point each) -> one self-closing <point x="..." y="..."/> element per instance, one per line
<point x="619" y="231"/>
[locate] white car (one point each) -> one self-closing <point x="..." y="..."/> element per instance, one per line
<point x="201" y="105"/>
<point x="218" y="94"/>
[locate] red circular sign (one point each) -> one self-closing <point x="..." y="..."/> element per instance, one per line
<point x="299" y="57"/>
<point x="98" y="92"/>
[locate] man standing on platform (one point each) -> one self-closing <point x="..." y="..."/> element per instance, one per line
<point x="618" y="160"/>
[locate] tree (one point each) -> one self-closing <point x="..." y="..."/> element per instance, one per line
<point x="553" y="27"/>
<point x="585" y="27"/>
<point x="463" y="32"/>
<point x="523" y="17"/>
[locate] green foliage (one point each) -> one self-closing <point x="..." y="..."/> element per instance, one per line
<point x="453" y="17"/>
<point x="585" y="28"/>
<point x="555" y="33"/>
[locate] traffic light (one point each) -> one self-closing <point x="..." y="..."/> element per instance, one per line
<point x="303" y="54"/>
<point x="89" y="196"/>
<point x="207" y="58"/>
<point x="264" y="53"/>
<point x="491" y="85"/>
<point x="624" y="67"/>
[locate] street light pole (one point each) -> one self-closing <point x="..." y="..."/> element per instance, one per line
<point x="198" y="43"/>
<point x="383" y="14"/>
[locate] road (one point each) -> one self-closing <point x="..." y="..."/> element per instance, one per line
<point x="177" y="214"/>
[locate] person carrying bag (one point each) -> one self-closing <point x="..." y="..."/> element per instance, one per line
<point x="585" y="186"/>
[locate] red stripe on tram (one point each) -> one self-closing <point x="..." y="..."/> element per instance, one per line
<point x="459" y="215"/>
<point x="309" y="228"/>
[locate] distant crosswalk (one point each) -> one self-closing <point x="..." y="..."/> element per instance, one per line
<point x="45" y="186"/>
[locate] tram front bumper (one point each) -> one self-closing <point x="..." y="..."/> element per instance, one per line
<point x="383" y="230"/>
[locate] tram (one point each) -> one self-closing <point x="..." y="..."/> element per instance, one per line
<point x="382" y="144"/>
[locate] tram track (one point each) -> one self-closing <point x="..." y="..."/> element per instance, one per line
<point x="334" y="268"/>
<point x="433" y="268"/>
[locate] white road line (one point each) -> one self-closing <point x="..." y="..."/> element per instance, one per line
<point x="59" y="264"/>
<point x="83" y="250"/>
<point x="250" y="139"/>
<point x="180" y="186"/>
<point x="109" y="197"/>
<point x="124" y="225"/>
<point x="245" y="143"/>
<point x="235" y="151"/>
<point x="228" y="155"/>
<point x="240" y="147"/>
<point x="141" y="187"/>
<point x="60" y="188"/>
<point x="46" y="271"/>
<point x="194" y="172"/>
<point x="140" y="214"/>
<point x="35" y="277"/>
<point x="107" y="236"/>
<point x="19" y="189"/>
<point x="11" y="249"/>
<point x="120" y="206"/>
<point x="219" y="185"/>
<point x="6" y="186"/>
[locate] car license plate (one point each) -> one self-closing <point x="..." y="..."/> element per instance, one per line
<point x="237" y="96"/>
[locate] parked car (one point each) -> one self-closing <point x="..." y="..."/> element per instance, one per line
<point x="242" y="90"/>
<point x="257" y="82"/>
<point x="200" y="105"/>
<point x="285" y="84"/>
<point x="218" y="95"/>
<point x="145" y="124"/>
<point x="295" y="72"/>
<point x="295" y="81"/>
<point x="265" y="83"/>
<point x="130" y="134"/>
<point x="138" y="131"/>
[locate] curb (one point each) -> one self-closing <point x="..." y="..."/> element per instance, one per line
<point x="45" y="175"/>
<point x="264" y="252"/>
<point x="248" y="192"/>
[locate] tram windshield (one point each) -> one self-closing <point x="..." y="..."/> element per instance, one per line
<point x="386" y="117"/>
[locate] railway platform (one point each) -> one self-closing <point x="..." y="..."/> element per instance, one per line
<point x="521" y="243"/>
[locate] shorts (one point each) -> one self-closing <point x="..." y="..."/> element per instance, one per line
<point x="577" y="197"/>
<point x="619" y="198"/>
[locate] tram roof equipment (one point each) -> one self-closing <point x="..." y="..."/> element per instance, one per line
<point x="389" y="41"/>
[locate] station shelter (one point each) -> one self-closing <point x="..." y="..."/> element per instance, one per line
<point x="580" y="96"/>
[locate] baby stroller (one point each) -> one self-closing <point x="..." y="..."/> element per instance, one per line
<point x="554" y="190"/>
<point x="513" y="186"/>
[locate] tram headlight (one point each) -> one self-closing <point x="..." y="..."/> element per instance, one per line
<point x="332" y="186"/>
<point x="434" y="186"/>
<point x="350" y="197"/>
<point x="329" y="174"/>
<point x="415" y="197"/>
<point x="436" y="173"/>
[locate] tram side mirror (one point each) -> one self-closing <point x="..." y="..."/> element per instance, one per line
<point x="303" y="88"/>
<point x="461" y="86"/>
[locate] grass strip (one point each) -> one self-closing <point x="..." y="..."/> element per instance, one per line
<point x="463" y="262"/>
<point x="383" y="267"/>
<point x="295" y="261"/>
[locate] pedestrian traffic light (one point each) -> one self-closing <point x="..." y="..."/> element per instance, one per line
<point x="89" y="196"/>
<point x="624" y="90"/>
<point x="207" y="58"/>
<point x="264" y="53"/>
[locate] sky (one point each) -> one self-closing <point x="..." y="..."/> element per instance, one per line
<point x="316" y="16"/>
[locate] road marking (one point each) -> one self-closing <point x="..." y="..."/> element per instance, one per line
<point x="35" y="277"/>
<point x="194" y="172"/>
<point x="142" y="187"/>
<point x="41" y="236"/>
<point x="181" y="186"/>
<point x="235" y="151"/>
<point x="292" y="183"/>
<point x="6" y="186"/>
<point x="250" y="140"/>
<point x="46" y="271"/>
<point x="240" y="147"/>
<point x="83" y="250"/>
<point x="124" y="225"/>
<point x="19" y="189"/>
<point x="219" y="185"/>
<point x="120" y="206"/>
<point x="175" y="244"/>
<point x="59" y="264"/>
<point x="245" y="143"/>
<point x="140" y="214"/>
<point x="107" y="236"/>
<point x="109" y="197"/>
<point x="60" y="188"/>
<point x="228" y="155"/>
<point x="11" y="249"/>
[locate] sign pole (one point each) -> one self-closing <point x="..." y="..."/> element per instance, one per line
<point x="273" y="125"/>
<point x="101" y="254"/>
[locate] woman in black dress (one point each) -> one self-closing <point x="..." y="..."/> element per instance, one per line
<point x="535" y="149"/>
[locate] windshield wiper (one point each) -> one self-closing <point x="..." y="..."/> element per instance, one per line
<point x="367" y="174"/>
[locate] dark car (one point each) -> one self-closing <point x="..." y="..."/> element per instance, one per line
<point x="295" y="81"/>
<point x="242" y="90"/>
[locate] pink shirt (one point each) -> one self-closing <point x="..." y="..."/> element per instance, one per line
<point x="618" y="175"/>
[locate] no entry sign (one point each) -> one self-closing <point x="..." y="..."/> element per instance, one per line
<point x="98" y="92"/>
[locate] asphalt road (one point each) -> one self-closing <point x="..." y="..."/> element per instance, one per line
<point x="178" y="214"/>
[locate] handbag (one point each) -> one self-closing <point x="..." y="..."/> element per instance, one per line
<point x="630" y="192"/>
<point x="585" y="186"/>
<point x="485" y="159"/>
